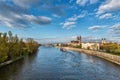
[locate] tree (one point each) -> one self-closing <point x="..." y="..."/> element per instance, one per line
<point x="111" y="47"/>
<point x="12" y="47"/>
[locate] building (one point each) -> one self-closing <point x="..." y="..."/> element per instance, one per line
<point x="76" y="42"/>
<point x="91" y="46"/>
<point x="86" y="45"/>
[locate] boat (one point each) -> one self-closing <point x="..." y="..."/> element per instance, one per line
<point x="62" y="49"/>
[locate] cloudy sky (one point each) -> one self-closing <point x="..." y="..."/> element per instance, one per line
<point x="61" y="20"/>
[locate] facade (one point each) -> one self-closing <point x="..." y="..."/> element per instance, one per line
<point x="103" y="40"/>
<point x="91" y="46"/>
<point x="88" y="45"/>
<point x="76" y="42"/>
<point x="94" y="45"/>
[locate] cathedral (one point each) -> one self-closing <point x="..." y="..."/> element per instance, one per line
<point x="76" y="42"/>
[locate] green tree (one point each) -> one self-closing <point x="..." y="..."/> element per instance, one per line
<point x="12" y="47"/>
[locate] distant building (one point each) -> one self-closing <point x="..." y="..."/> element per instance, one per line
<point x="94" y="45"/>
<point x="91" y="46"/>
<point x="103" y="40"/>
<point x="87" y="45"/>
<point x="76" y="42"/>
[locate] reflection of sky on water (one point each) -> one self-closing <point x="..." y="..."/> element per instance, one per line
<point x="52" y="64"/>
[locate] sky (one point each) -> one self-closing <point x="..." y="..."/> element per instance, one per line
<point x="49" y="21"/>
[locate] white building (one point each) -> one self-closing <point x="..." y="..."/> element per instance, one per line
<point x="92" y="46"/>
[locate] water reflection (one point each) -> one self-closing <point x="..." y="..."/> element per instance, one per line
<point x="52" y="64"/>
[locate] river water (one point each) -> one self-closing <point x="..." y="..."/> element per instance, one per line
<point x="52" y="64"/>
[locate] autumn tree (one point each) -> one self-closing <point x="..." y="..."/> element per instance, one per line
<point x="12" y="47"/>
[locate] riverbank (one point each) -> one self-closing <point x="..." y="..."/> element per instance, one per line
<point x="11" y="61"/>
<point x="106" y="56"/>
<point x="14" y="60"/>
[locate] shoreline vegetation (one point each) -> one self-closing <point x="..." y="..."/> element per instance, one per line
<point x="104" y="55"/>
<point x="13" y="48"/>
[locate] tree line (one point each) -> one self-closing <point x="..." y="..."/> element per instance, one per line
<point x="111" y="48"/>
<point x="12" y="47"/>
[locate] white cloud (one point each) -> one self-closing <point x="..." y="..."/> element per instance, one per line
<point x="81" y="2"/>
<point x="70" y="22"/>
<point x="109" y="6"/>
<point x="96" y="27"/>
<point x="76" y="17"/>
<point x="93" y="1"/>
<point x="116" y="17"/>
<point x="115" y="32"/>
<point x="25" y="3"/>
<point x="69" y="25"/>
<point x="107" y="15"/>
<point x="12" y="16"/>
<point x="55" y="15"/>
<point x="44" y="19"/>
<point x="115" y="29"/>
<point x="39" y="5"/>
<point x="85" y="2"/>
<point x="24" y="20"/>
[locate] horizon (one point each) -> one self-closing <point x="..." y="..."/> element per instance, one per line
<point x="51" y="21"/>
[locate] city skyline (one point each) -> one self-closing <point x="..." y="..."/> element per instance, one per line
<point x="61" y="20"/>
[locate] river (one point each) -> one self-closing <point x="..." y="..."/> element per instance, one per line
<point x="52" y="64"/>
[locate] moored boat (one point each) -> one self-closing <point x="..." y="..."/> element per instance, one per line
<point x="62" y="49"/>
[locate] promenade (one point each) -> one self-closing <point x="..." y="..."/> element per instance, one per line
<point x="107" y="56"/>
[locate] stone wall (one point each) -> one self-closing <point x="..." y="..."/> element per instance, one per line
<point x="107" y="56"/>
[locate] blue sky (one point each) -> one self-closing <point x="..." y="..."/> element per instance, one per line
<point x="61" y="20"/>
